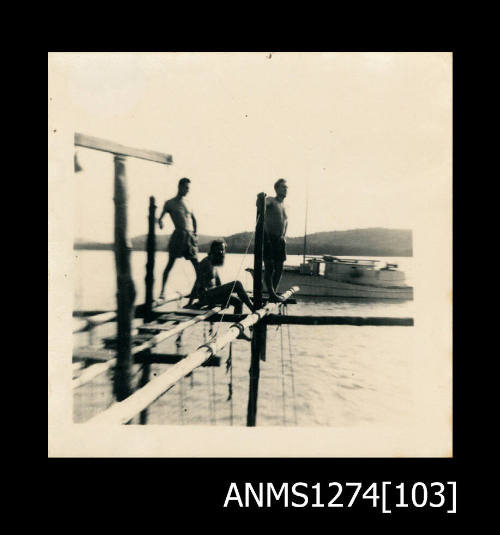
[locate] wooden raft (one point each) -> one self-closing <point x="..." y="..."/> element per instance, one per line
<point x="149" y="335"/>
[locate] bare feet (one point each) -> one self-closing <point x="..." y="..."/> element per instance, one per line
<point x="243" y="336"/>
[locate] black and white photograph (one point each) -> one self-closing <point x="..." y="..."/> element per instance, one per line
<point x="250" y="254"/>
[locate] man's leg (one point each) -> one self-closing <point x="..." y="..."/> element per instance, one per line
<point x="238" y="309"/>
<point x="242" y="294"/>
<point x="269" y="275"/>
<point x="278" y="270"/>
<point x="221" y="295"/>
<point x="195" y="263"/>
<point x="237" y="304"/>
<point x="170" y="263"/>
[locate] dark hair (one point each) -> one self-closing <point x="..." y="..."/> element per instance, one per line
<point x="215" y="243"/>
<point x="184" y="181"/>
<point x="278" y="182"/>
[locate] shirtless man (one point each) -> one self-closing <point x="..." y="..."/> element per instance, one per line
<point x="184" y="239"/>
<point x="275" y="226"/>
<point x="208" y="287"/>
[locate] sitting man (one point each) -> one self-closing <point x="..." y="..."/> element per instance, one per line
<point x="208" y="288"/>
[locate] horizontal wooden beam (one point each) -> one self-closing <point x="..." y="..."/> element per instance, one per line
<point x="170" y="358"/>
<point x="92" y="354"/>
<point x="276" y="319"/>
<point x="87" y="322"/>
<point x="90" y="142"/>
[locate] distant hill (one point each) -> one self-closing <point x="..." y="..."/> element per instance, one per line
<point x="355" y="242"/>
<point x="139" y="242"/>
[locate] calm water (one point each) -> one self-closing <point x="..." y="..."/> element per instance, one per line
<point x="326" y="375"/>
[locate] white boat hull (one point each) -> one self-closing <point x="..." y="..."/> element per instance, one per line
<point x="318" y="285"/>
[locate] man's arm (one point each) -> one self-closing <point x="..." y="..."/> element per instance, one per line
<point x="198" y="284"/>
<point x="164" y="211"/>
<point x="194" y="223"/>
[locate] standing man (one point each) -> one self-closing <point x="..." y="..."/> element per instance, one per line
<point x="184" y="239"/>
<point x="275" y="226"/>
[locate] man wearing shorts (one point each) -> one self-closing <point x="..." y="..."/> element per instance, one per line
<point x="184" y="240"/>
<point x="275" y="226"/>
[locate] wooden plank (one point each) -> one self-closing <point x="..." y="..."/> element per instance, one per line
<point x="92" y="372"/>
<point x="94" y="320"/>
<point x="87" y="313"/>
<point x="90" y="142"/>
<point x="190" y="311"/>
<point x="93" y="353"/>
<point x="158" y="326"/>
<point x="173" y="317"/>
<point x="76" y="367"/>
<point x="276" y="319"/>
<point x="171" y="358"/>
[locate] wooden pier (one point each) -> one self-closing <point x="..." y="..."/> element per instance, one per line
<point x="134" y="346"/>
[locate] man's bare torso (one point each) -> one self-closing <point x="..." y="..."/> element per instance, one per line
<point x="276" y="218"/>
<point x="180" y="213"/>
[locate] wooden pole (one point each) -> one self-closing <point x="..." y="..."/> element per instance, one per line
<point x="148" y="308"/>
<point x="259" y="330"/>
<point x="150" y="264"/>
<point x="125" y="285"/>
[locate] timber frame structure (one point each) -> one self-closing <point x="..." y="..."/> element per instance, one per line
<point x="127" y="349"/>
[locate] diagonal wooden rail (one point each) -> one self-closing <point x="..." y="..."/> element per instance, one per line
<point x="122" y="412"/>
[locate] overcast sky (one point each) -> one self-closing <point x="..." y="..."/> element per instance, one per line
<point x="368" y="135"/>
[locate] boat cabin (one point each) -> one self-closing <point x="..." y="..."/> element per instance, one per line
<point x="356" y="271"/>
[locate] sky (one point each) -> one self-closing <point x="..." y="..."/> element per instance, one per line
<point x="366" y="137"/>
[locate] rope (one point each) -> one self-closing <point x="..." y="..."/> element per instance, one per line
<point x="178" y="345"/>
<point x="229" y="369"/>
<point x="181" y="400"/>
<point x="214" y="399"/>
<point x="291" y="369"/>
<point x="282" y="378"/>
<point x="210" y="384"/>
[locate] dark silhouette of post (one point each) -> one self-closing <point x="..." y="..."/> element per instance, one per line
<point x="122" y="387"/>
<point x="259" y="330"/>
<point x="150" y="280"/>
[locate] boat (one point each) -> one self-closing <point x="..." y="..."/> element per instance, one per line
<point x="331" y="276"/>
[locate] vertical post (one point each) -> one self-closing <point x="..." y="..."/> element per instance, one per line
<point x="150" y="266"/>
<point x="259" y="330"/>
<point x="122" y="387"/>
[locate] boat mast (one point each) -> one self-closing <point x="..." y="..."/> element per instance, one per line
<point x="305" y="225"/>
